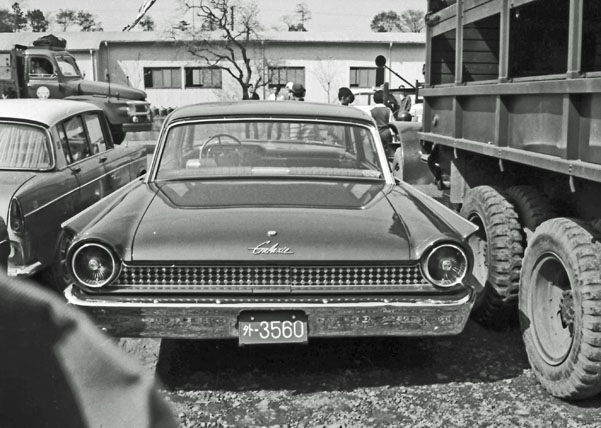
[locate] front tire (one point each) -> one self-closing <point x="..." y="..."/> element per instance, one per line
<point x="560" y="308"/>
<point x="57" y="275"/>
<point x="498" y="250"/>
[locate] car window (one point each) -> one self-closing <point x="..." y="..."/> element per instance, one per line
<point x="97" y="140"/>
<point x="270" y="148"/>
<point x="76" y="139"/>
<point x="40" y="67"/>
<point x="23" y="147"/>
<point x="68" y="66"/>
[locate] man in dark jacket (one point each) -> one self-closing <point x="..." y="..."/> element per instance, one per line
<point x="250" y="93"/>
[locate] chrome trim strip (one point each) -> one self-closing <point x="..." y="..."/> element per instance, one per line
<point x="23" y="270"/>
<point x="97" y="301"/>
<point x="80" y="187"/>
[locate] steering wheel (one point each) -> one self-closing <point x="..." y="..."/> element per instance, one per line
<point x="211" y="140"/>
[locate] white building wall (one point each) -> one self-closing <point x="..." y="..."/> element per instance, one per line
<point x="323" y="62"/>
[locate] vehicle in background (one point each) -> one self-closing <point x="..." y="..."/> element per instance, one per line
<point x="271" y="222"/>
<point x="4" y="245"/>
<point x="48" y="70"/>
<point x="512" y="116"/>
<point x="56" y="158"/>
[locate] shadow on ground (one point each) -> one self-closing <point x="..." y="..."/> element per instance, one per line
<point x="477" y="355"/>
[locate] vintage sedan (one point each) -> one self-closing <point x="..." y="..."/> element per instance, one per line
<point x="56" y="158"/>
<point x="271" y="222"/>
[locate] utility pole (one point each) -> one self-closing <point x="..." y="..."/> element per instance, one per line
<point x="232" y="16"/>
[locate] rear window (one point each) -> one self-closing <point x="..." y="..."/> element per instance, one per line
<point x="23" y="147"/>
<point x="269" y="148"/>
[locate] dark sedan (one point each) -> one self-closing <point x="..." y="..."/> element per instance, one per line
<point x="271" y="222"/>
<point x="56" y="158"/>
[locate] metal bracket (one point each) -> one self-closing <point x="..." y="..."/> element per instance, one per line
<point x="501" y="167"/>
<point x="572" y="184"/>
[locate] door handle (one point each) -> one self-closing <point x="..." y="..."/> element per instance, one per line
<point x="103" y="159"/>
<point x="76" y="169"/>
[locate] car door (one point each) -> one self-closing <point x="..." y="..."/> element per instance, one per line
<point x="85" y="165"/>
<point x="43" y="78"/>
<point x="115" y="161"/>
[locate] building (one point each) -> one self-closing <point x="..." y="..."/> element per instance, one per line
<point x="172" y="76"/>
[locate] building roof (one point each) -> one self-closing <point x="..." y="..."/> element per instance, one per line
<point x="46" y="112"/>
<point x="78" y="41"/>
<point x="294" y="109"/>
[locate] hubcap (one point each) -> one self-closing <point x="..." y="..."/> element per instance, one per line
<point x="552" y="311"/>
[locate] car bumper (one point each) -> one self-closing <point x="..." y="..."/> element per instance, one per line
<point x="137" y="127"/>
<point x="328" y="316"/>
<point x="24" y="270"/>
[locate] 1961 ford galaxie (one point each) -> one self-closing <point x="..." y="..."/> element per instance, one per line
<point x="56" y="158"/>
<point x="271" y="222"/>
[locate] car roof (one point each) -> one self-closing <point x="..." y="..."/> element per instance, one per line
<point x="293" y="109"/>
<point x="46" y="112"/>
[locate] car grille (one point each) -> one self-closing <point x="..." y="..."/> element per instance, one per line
<point x="243" y="278"/>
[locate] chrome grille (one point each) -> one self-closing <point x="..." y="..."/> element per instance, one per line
<point x="245" y="277"/>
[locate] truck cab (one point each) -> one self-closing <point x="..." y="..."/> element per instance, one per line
<point x="47" y="70"/>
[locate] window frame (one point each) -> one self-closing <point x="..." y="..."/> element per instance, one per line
<point x="212" y="70"/>
<point x="281" y="83"/>
<point x="148" y="71"/>
<point x="355" y="80"/>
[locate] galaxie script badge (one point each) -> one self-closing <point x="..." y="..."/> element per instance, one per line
<point x="268" y="248"/>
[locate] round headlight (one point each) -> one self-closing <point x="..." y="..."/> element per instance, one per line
<point x="445" y="266"/>
<point x="94" y="265"/>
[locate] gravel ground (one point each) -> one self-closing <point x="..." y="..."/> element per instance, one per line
<point x="477" y="379"/>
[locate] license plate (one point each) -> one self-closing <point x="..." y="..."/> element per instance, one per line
<point x="272" y="327"/>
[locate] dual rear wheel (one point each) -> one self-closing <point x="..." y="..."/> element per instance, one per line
<point x="557" y="280"/>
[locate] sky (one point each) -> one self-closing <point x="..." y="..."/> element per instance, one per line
<point x="327" y="15"/>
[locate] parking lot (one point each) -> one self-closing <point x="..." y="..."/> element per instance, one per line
<point x="480" y="378"/>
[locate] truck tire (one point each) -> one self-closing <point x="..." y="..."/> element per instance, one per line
<point x="560" y="307"/>
<point x="532" y="206"/>
<point x="498" y="251"/>
<point x="56" y="275"/>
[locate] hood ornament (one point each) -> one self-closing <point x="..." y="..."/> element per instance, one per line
<point x="272" y="232"/>
<point x="268" y="248"/>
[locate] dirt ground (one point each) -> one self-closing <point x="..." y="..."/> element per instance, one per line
<point x="477" y="379"/>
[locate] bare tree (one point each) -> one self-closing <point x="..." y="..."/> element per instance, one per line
<point x="235" y="44"/>
<point x="327" y="75"/>
<point x="147" y="23"/>
<point x="412" y="21"/>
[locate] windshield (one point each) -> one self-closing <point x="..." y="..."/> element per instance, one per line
<point x="68" y="66"/>
<point x="269" y="148"/>
<point x="23" y="147"/>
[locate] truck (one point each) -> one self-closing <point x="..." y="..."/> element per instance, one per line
<point x="512" y="125"/>
<point x="47" y="70"/>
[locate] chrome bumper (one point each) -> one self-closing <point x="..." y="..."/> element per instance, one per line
<point x="23" y="270"/>
<point x="214" y="318"/>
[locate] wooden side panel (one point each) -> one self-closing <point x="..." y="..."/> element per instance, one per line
<point x="479" y="118"/>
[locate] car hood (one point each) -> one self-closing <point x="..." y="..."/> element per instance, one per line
<point x="10" y="182"/>
<point x="88" y="87"/>
<point x="280" y="222"/>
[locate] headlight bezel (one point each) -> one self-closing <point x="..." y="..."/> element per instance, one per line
<point x="76" y="251"/>
<point x="426" y="258"/>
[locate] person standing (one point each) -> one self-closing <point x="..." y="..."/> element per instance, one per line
<point x="382" y="115"/>
<point x="345" y="96"/>
<point x="250" y="93"/>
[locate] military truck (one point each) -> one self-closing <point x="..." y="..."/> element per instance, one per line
<point x="512" y="123"/>
<point x="47" y="70"/>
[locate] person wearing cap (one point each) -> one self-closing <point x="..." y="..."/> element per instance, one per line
<point x="298" y="92"/>
<point x="345" y="96"/>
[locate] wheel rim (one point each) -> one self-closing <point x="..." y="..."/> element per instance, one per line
<point x="478" y="243"/>
<point x="553" y="317"/>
